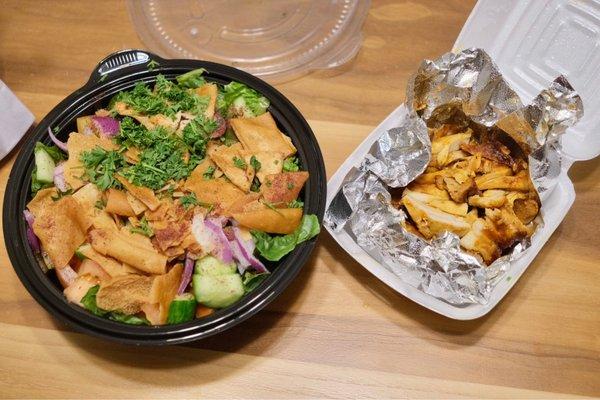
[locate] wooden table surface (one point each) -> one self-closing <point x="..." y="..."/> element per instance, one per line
<point x="336" y="331"/>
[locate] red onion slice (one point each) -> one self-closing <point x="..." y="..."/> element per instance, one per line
<point x="222" y="249"/>
<point x="31" y="238"/>
<point x="59" y="178"/>
<point x="107" y="127"/>
<point x="186" y="276"/>
<point x="58" y="143"/>
<point x="246" y="251"/>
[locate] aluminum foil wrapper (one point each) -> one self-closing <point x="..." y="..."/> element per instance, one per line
<point x="458" y="88"/>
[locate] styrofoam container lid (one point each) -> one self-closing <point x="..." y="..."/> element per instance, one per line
<point x="533" y="42"/>
<point x="274" y="39"/>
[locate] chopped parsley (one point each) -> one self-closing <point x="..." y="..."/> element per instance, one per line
<point x="290" y="185"/>
<point x="143" y="228"/>
<point x="255" y="163"/>
<point x="255" y="187"/>
<point x="167" y="98"/>
<point x="239" y="163"/>
<point x="196" y="134"/>
<point x="290" y="164"/>
<point x="190" y="200"/>
<point x="152" y="65"/>
<point x="100" y="166"/>
<point x="209" y="173"/>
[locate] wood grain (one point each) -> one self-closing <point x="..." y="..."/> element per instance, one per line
<point x="337" y="331"/>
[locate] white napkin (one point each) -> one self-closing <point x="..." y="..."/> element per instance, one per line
<point x="15" y="120"/>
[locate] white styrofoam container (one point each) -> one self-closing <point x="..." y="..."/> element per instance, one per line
<point x="532" y="42"/>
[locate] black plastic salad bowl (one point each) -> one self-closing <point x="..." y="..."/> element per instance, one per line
<point x="120" y="71"/>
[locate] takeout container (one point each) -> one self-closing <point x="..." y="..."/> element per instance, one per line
<point x="121" y="71"/>
<point x="531" y="42"/>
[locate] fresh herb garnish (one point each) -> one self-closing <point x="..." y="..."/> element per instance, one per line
<point x="196" y="134"/>
<point x="209" y="173"/>
<point x="190" y="200"/>
<point x="255" y="187"/>
<point x="239" y="163"/>
<point x="290" y="164"/>
<point x="290" y="185"/>
<point x="143" y="228"/>
<point x="152" y="65"/>
<point x="100" y="205"/>
<point x="255" y="163"/>
<point x="228" y="137"/>
<point x="100" y="166"/>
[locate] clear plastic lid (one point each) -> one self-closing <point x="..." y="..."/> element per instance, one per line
<point x="275" y="39"/>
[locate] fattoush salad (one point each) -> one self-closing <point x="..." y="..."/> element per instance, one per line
<point x="166" y="205"/>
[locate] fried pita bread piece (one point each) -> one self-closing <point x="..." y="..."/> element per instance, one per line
<point x="116" y="203"/>
<point x="142" y="193"/>
<point x="231" y="160"/>
<point x="121" y="247"/>
<point x="76" y="145"/>
<point x="270" y="163"/>
<point x="283" y="187"/>
<point x="164" y="289"/>
<point x="88" y="197"/>
<point x="209" y="90"/>
<point x="60" y="225"/>
<point x="216" y="191"/>
<point x="281" y="220"/>
<point x="261" y="133"/>
<point x="110" y="265"/>
<point x="125" y="294"/>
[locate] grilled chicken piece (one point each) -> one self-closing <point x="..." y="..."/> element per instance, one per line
<point x="492" y="150"/>
<point x="443" y="146"/>
<point x="520" y="181"/>
<point x="526" y="209"/>
<point x="478" y="241"/>
<point x="505" y="227"/>
<point x="430" y="221"/>
<point x="448" y="206"/>
<point x="460" y="191"/>
<point x="430" y="189"/>
<point x="488" y="199"/>
<point x="445" y="130"/>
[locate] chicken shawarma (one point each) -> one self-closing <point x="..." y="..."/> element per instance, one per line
<point x="477" y="186"/>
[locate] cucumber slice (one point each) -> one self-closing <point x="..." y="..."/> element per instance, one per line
<point x="218" y="291"/>
<point x="210" y="265"/>
<point x="182" y="309"/>
<point x="45" y="166"/>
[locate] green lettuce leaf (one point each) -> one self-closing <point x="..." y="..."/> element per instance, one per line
<point x="273" y="248"/>
<point x="240" y="100"/>
<point x="252" y="279"/>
